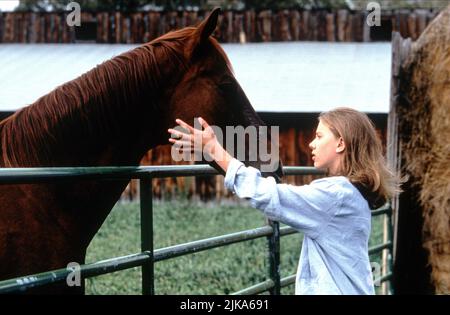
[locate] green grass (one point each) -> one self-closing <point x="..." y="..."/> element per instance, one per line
<point x="218" y="271"/>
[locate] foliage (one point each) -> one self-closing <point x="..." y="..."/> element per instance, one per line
<point x="132" y="5"/>
<point x="86" y="5"/>
<point x="403" y="4"/>
<point x="283" y="4"/>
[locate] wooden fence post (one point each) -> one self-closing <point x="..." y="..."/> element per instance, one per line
<point x="249" y="25"/>
<point x="412" y="26"/>
<point x="304" y="23"/>
<point x="342" y="25"/>
<point x="400" y="50"/>
<point x="265" y="23"/>
<point x="421" y="21"/>
<point x="294" y="24"/>
<point x="331" y="30"/>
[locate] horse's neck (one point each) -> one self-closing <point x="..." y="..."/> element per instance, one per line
<point x="123" y="143"/>
<point x="110" y="125"/>
<point x="83" y="206"/>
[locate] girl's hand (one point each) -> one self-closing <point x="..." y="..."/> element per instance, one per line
<point x="194" y="140"/>
<point x="200" y="142"/>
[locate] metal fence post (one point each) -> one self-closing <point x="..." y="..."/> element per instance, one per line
<point x="274" y="257"/>
<point x="146" y="199"/>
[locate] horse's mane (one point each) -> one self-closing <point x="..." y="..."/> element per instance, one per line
<point x="93" y="102"/>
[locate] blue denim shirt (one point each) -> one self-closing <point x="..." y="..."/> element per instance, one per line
<point x="334" y="217"/>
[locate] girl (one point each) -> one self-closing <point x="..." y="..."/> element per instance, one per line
<point x="332" y="212"/>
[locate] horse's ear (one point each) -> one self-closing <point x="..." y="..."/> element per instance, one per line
<point x="207" y="27"/>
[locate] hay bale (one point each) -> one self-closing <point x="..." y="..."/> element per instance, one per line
<point x="425" y="126"/>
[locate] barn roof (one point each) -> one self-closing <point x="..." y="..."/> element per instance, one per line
<point x="277" y="77"/>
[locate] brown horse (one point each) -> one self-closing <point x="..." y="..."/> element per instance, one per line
<point x="111" y="115"/>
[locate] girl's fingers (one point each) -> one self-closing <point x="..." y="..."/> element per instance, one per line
<point x="176" y="134"/>
<point x="183" y="146"/>
<point x="203" y="122"/>
<point x="174" y="131"/>
<point x="180" y="143"/>
<point x="184" y="125"/>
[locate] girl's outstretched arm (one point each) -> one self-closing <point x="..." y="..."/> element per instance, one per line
<point x="307" y="208"/>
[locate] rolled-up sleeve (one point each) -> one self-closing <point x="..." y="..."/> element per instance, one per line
<point x="307" y="208"/>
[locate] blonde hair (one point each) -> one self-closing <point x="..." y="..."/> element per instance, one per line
<point x="363" y="162"/>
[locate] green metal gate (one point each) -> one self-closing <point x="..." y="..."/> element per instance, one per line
<point x="148" y="256"/>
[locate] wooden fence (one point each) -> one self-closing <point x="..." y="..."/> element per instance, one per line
<point x="234" y="26"/>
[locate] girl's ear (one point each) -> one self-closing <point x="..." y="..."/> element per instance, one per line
<point x="340" y="146"/>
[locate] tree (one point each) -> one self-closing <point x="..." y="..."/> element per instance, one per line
<point x="88" y="5"/>
<point x="286" y="4"/>
<point x="39" y="5"/>
<point x="133" y="5"/>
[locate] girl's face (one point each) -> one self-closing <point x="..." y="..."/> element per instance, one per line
<point x="327" y="149"/>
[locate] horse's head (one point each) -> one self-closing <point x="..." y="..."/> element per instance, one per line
<point x="207" y="87"/>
